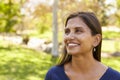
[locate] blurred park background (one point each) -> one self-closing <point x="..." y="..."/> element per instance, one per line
<point x="30" y="30"/>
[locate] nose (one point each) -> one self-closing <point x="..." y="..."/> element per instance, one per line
<point x="70" y="36"/>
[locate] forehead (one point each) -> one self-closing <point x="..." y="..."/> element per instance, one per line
<point x="76" y="19"/>
<point x="76" y="22"/>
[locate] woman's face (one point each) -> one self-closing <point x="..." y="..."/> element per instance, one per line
<point x="78" y="38"/>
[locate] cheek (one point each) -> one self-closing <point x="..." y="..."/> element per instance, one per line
<point x="86" y="40"/>
<point x="66" y="38"/>
<point x="89" y="42"/>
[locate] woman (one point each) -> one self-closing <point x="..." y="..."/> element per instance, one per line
<point x="82" y="54"/>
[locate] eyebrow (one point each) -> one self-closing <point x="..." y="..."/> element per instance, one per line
<point x="74" y="27"/>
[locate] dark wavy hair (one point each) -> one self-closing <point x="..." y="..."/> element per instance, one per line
<point x="92" y="22"/>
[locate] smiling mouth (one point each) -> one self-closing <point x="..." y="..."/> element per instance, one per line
<point x="72" y="44"/>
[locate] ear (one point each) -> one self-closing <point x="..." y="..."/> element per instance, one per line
<point x="97" y="39"/>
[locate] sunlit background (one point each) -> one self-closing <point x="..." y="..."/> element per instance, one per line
<point x="30" y="30"/>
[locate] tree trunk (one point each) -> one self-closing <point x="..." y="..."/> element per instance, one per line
<point x="55" y="30"/>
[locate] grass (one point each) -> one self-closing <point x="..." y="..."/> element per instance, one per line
<point x="113" y="62"/>
<point x="17" y="63"/>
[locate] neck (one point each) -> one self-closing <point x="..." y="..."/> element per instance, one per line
<point x="83" y="63"/>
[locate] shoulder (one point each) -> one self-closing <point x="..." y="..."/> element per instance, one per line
<point x="54" y="72"/>
<point x="111" y="74"/>
<point x="55" y="69"/>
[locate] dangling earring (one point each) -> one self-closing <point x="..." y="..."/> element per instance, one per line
<point x="94" y="49"/>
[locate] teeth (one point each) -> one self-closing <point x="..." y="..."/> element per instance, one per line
<point x="72" y="44"/>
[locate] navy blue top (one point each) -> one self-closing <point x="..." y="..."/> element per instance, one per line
<point x="57" y="73"/>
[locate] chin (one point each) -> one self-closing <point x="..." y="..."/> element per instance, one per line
<point x="72" y="53"/>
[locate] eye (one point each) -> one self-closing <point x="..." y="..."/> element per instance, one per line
<point x="67" y="31"/>
<point x="78" y="31"/>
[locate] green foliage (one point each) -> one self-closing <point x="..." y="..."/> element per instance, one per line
<point x="101" y="13"/>
<point x="9" y="15"/>
<point x="45" y="23"/>
<point x="111" y="35"/>
<point x="117" y="13"/>
<point x="118" y="4"/>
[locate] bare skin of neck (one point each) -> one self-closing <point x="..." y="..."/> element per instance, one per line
<point x="84" y="68"/>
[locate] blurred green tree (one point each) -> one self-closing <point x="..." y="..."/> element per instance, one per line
<point x="9" y="14"/>
<point x="44" y="18"/>
<point x="117" y="14"/>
